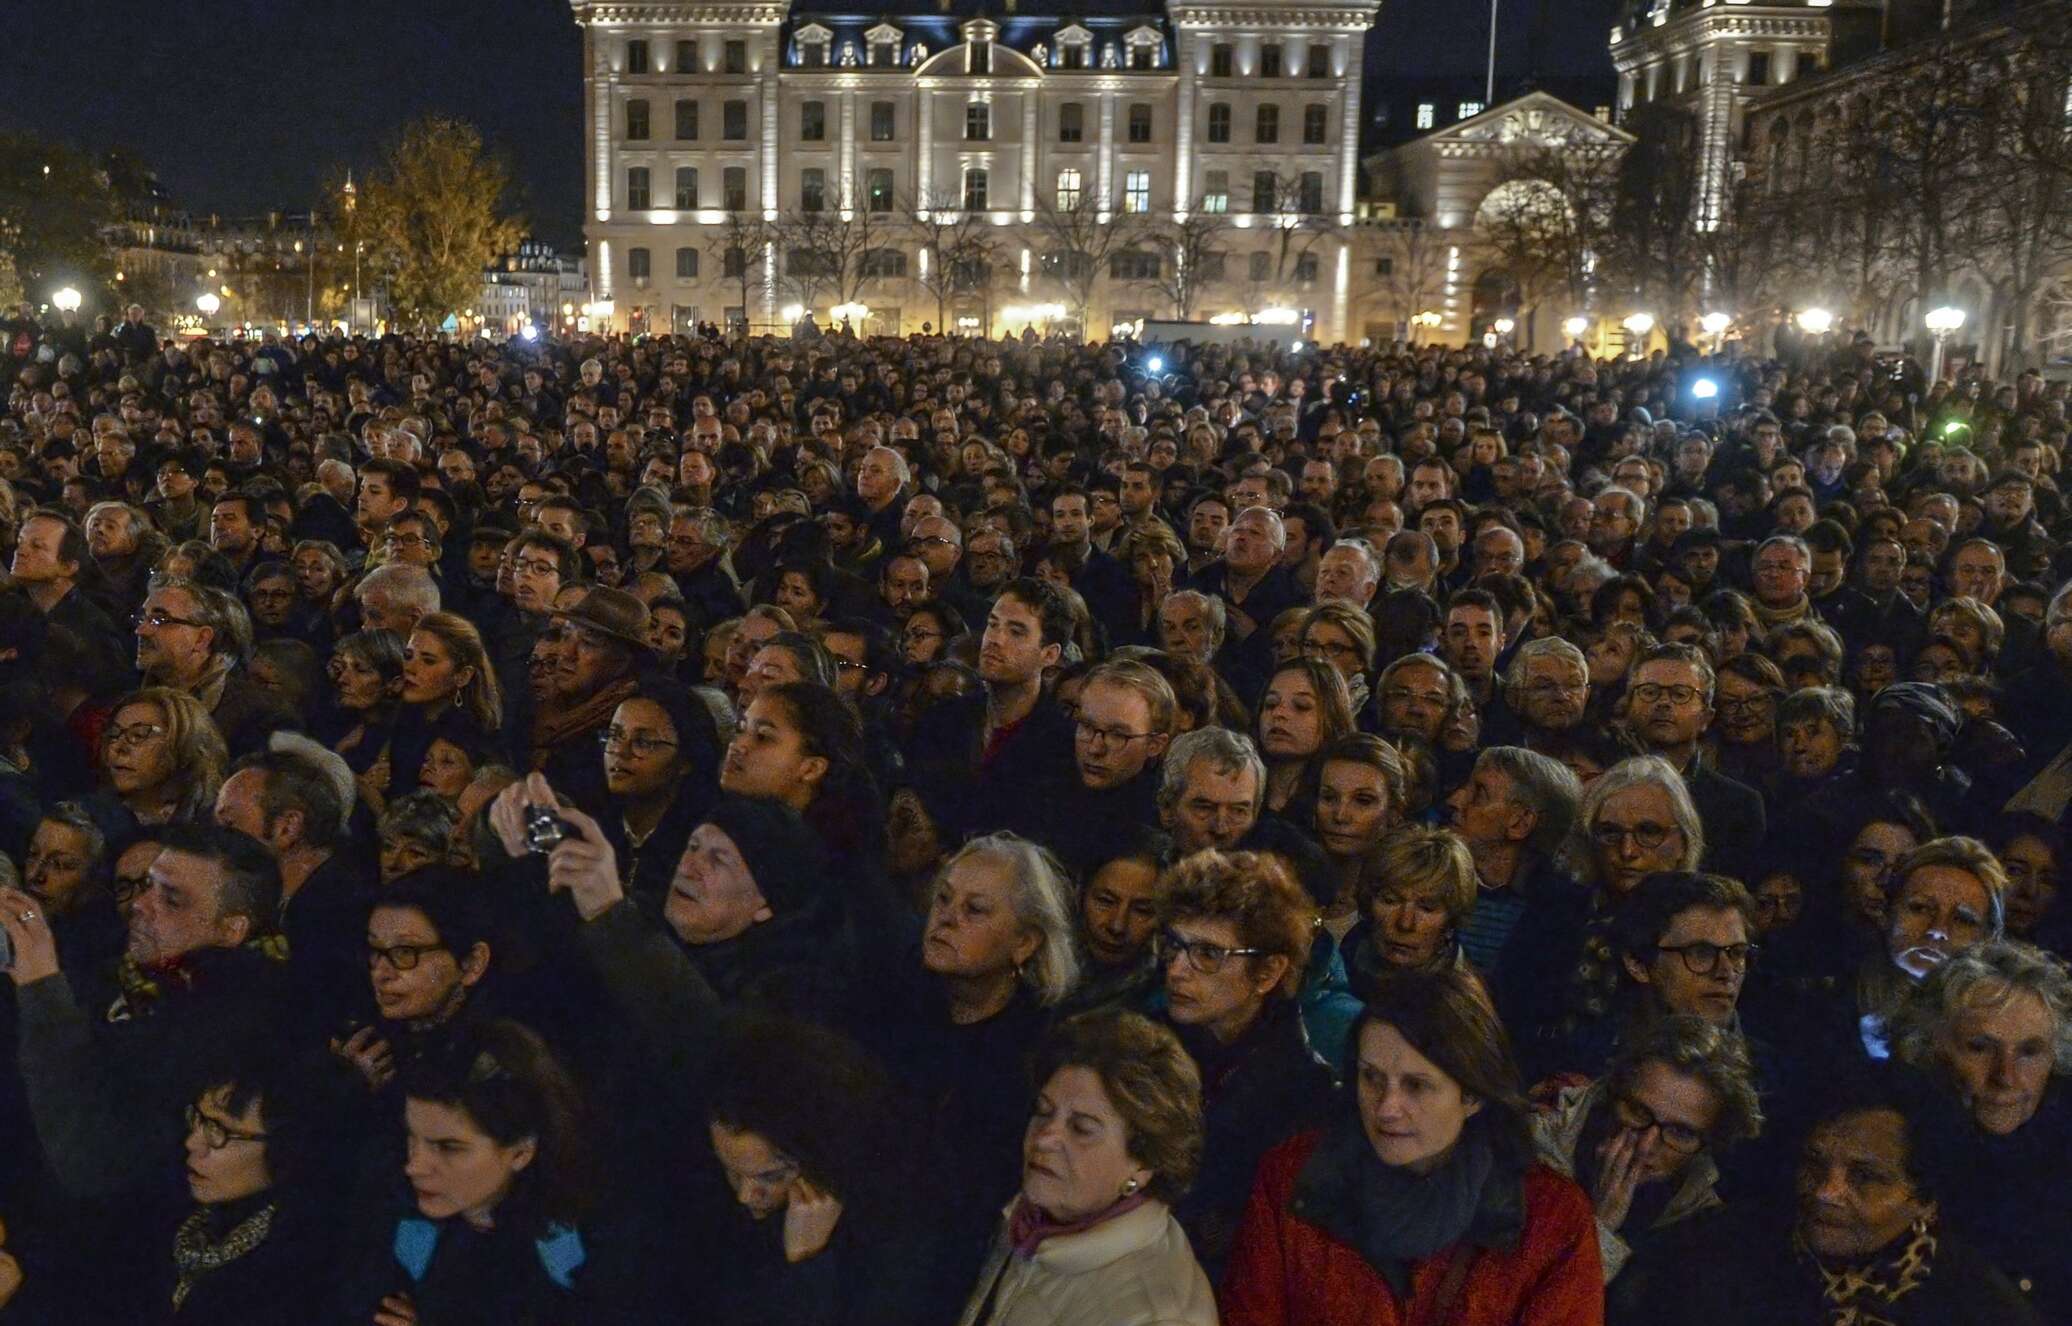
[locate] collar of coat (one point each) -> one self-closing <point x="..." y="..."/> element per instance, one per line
<point x="1326" y="1194"/>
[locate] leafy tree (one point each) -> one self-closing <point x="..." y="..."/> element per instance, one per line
<point x="54" y="206"/>
<point x="435" y="216"/>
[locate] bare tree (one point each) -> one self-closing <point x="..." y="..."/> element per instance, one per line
<point x="1191" y="257"/>
<point x="1548" y="220"/>
<point x="957" y="250"/>
<point x="829" y="256"/>
<point x="1654" y="244"/>
<point x="743" y="242"/>
<point x="1415" y="275"/>
<point x="1078" y="236"/>
<point x="1297" y="226"/>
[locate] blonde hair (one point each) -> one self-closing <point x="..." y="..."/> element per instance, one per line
<point x="481" y="697"/>
<point x="198" y="754"/>
<point x="1422" y="860"/>
<point x="1143" y="680"/>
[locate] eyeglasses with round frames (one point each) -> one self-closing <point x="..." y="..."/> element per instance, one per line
<point x="1702" y="959"/>
<point x="640" y="743"/>
<point x="1636" y="1117"/>
<point x="215" y="1132"/>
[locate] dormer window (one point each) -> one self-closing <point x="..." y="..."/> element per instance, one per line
<point x="1074" y="46"/>
<point x="981" y="61"/>
<point x="882" y="45"/>
<point x="884" y="52"/>
<point x="1145" y="48"/>
<point x="917" y="53"/>
<point x="814" y="43"/>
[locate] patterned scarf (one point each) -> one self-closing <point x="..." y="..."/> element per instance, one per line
<point x="194" y="1256"/>
<point x="1858" y="1294"/>
<point x="142" y="986"/>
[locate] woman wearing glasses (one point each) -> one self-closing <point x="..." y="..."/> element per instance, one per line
<point x="366" y="672"/>
<point x="1343" y="636"/>
<point x="161" y="759"/>
<point x="1234" y="938"/>
<point x="1643" y="1138"/>
<point x="428" y="955"/>
<point x="661" y="755"/>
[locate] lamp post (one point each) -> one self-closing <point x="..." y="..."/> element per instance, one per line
<point x="1815" y="321"/>
<point x="1943" y="323"/>
<point x="352" y="202"/>
<point x="66" y="300"/>
<point x="208" y="303"/>
<point x="1637" y="328"/>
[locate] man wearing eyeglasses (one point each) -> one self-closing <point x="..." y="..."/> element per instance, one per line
<point x="1123" y="726"/>
<point x="1670" y="708"/>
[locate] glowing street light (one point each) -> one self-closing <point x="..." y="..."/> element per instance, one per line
<point x="1504" y="326"/>
<point x="852" y="313"/>
<point x="1705" y="389"/>
<point x="1575" y="327"/>
<point x="1815" y="321"/>
<point x="66" y="300"/>
<point x="1640" y="324"/>
<point x="1716" y="324"/>
<point x="1943" y="322"/>
<point x="208" y="303"/>
<point x="791" y="313"/>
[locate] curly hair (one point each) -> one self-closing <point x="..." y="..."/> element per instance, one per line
<point x="198" y="753"/>
<point x="1692" y="1047"/>
<point x="1257" y="893"/>
<point x="1991" y="976"/>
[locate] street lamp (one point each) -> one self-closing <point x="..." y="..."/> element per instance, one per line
<point x="1576" y="326"/>
<point x="1815" y="321"/>
<point x="66" y="300"/>
<point x="1640" y="324"/>
<point x="1504" y="326"/>
<point x="208" y="303"/>
<point x="1943" y="322"/>
<point x="1716" y="324"/>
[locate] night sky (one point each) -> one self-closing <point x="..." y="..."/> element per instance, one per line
<point x="241" y="105"/>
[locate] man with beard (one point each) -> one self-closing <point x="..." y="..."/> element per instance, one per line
<point x="588" y="657"/>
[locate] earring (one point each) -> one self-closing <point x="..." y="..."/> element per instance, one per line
<point x="1129" y="1187"/>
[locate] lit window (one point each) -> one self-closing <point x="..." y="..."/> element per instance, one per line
<point x="1136" y="191"/>
<point x="1425" y="114"/>
<point x="1470" y="109"/>
<point x="1068" y="190"/>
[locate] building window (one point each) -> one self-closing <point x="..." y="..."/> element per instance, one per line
<point x="1072" y="55"/>
<point x="1136" y="191"/>
<point x="978" y="122"/>
<point x="686" y="264"/>
<point x="1384" y="266"/>
<point x="733" y="184"/>
<point x="732" y="263"/>
<point x="637" y="193"/>
<point x="1259" y="268"/>
<point x="687" y="57"/>
<point x="1270" y="60"/>
<point x="877" y="190"/>
<point x="1221" y="57"/>
<point x="1267" y="129"/>
<point x="733" y="119"/>
<point x="686" y="187"/>
<point x="735" y="57"/>
<point x="1262" y="191"/>
<point x="1068" y="190"/>
<point x="1320" y="61"/>
<point x="813" y="55"/>
<point x="1143" y="56"/>
<point x="1311" y="200"/>
<point x="884" y="117"/>
<point x="1316" y="124"/>
<point x="884" y="264"/>
<point x="1071" y="122"/>
<point x="1215" y="192"/>
<point x="1306" y="268"/>
<point x="1140" y="122"/>
<point x="637" y="266"/>
<point x="812" y="189"/>
<point x="981" y="57"/>
<point x="636" y="57"/>
<point x="1427" y="114"/>
<point x="1758" y="68"/>
<point x="1133" y="265"/>
<point x="637" y="121"/>
<point x="1219" y="122"/>
<point x="975" y="189"/>
<point x="813" y="122"/>
<point x="1469" y="110"/>
<point x="884" y="52"/>
<point x="687" y="121"/>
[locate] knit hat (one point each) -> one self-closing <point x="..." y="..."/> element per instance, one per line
<point x="783" y="855"/>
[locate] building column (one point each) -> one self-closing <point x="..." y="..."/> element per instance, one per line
<point x="849" y="203"/>
<point x="1350" y="49"/>
<point x="773" y="54"/>
<point x="924" y="114"/>
<point x="1184" y="112"/>
<point x="1030" y="131"/>
<point x="1106" y="172"/>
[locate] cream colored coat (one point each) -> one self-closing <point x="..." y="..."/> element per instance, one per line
<point x="1134" y="1270"/>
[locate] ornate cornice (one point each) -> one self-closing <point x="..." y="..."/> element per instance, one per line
<point x="1337" y="20"/>
<point x="599" y="13"/>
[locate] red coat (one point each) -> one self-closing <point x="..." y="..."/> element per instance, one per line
<point x="1284" y="1271"/>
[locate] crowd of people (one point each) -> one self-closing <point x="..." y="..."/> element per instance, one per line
<point x="826" y="830"/>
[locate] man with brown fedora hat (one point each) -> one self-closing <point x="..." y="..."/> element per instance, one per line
<point x="592" y="653"/>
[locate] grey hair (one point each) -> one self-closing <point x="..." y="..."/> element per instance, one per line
<point x="1043" y="901"/>
<point x="1226" y="751"/>
<point x="1543" y="785"/>
<point x="1276" y="529"/>
<point x="73" y="815"/>
<point x="134" y="518"/>
<point x="412" y="585"/>
<point x="711" y="525"/>
<point x="1579" y="854"/>
<point x="1798" y="546"/>
<point x="1591" y="574"/>
<point x="422" y="817"/>
<point x="1986" y="975"/>
<point x="1550" y="646"/>
<point x="1636" y="505"/>
<point x="1829" y="704"/>
<point x="326" y="763"/>
<point x="1715" y="1056"/>
<point x="899" y="463"/>
<point x="1219" y="616"/>
<point x="230" y="626"/>
<point x="1366" y="552"/>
